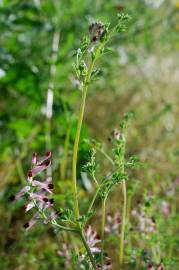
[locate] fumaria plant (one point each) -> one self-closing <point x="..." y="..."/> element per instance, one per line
<point x="39" y="193"/>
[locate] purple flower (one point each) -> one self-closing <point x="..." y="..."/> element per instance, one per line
<point x="38" y="191"/>
<point x="106" y="266"/>
<point x="39" y="168"/>
<point x="32" y="221"/>
<point x="145" y="224"/>
<point x="112" y="224"/>
<point x="92" y="239"/>
<point x="65" y="253"/>
<point x="29" y="206"/>
<point x="34" y="158"/>
<point x="20" y="193"/>
<point x="150" y="267"/>
<point x="96" y="30"/>
<point x="165" y="207"/>
<point x="45" y="185"/>
<point x="53" y="216"/>
<point x="160" y="267"/>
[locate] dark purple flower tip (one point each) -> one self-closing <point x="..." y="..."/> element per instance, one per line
<point x="12" y="198"/>
<point x="34" y="155"/>
<point x="97" y="237"/>
<point x="26" y="225"/>
<point x="118" y="220"/>
<point x="94" y="39"/>
<point x="108" y="263"/>
<point x="50" y="186"/>
<point x="51" y="201"/>
<point x="45" y="199"/>
<point x="160" y="267"/>
<point x="29" y="174"/>
<point x="48" y="153"/>
<point x="45" y="163"/>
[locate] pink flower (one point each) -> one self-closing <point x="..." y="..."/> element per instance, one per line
<point x="160" y="267"/>
<point x="34" y="158"/>
<point x="106" y="266"/>
<point x="32" y="221"/>
<point x="165" y="207"/>
<point x="29" y="206"/>
<point x="113" y="222"/>
<point x="39" y="168"/>
<point x="44" y="158"/>
<point x="38" y="191"/>
<point x="92" y="239"/>
<point x="65" y="253"/>
<point x="145" y="224"/>
<point x="46" y="185"/>
<point x="150" y="267"/>
<point x="20" y="193"/>
<point x="53" y="216"/>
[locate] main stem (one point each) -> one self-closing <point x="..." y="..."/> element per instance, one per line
<point x="77" y="137"/>
<point x="102" y="231"/>
<point x="121" y="252"/>
<point x="75" y="151"/>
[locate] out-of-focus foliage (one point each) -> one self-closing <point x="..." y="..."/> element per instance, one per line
<point x="140" y="74"/>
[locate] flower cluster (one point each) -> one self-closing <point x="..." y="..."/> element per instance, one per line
<point x="145" y="224"/>
<point x="106" y="266"/>
<point x="92" y="239"/>
<point x="112" y="224"/>
<point x="96" y="30"/>
<point x="38" y="192"/>
<point x="165" y="208"/>
<point x="65" y="253"/>
<point x="152" y="267"/>
<point x="115" y="135"/>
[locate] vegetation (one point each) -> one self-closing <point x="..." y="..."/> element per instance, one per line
<point x="93" y="85"/>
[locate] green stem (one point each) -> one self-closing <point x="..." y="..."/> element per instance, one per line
<point x="75" y="152"/>
<point x="121" y="251"/>
<point x="95" y="180"/>
<point x="65" y="228"/>
<point x="78" y="131"/>
<point x="88" y="250"/>
<point x="102" y="231"/>
<point x="93" y="199"/>
<point x="106" y="155"/>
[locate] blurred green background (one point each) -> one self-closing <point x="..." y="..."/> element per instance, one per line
<point x="141" y="74"/>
